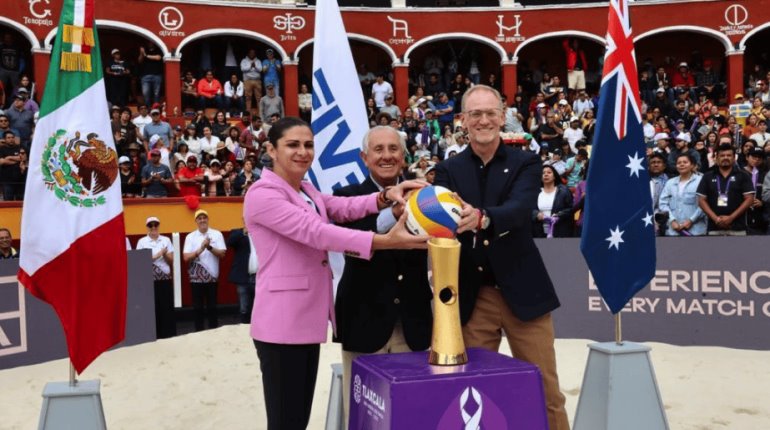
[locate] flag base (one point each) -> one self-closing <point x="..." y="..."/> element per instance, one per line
<point x="72" y="407"/>
<point x="619" y="390"/>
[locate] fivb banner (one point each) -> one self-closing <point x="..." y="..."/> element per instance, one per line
<point x="339" y="117"/>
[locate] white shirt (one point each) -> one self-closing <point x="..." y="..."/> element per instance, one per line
<point x="760" y="138"/>
<point x="545" y="204"/>
<point x="208" y="146"/>
<point x="579" y="106"/>
<point x="207" y="259"/>
<point x="252" y="69"/>
<point x="229" y="90"/>
<point x="573" y="135"/>
<point x="379" y="91"/>
<point x="156" y="245"/>
<point x="140" y="122"/>
<point x="456" y="148"/>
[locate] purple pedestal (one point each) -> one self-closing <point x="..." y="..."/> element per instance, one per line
<point x="402" y="391"/>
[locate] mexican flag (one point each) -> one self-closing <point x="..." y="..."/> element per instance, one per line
<point x="73" y="252"/>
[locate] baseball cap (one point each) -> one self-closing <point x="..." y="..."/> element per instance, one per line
<point x="192" y="157"/>
<point x="421" y="100"/>
<point x="557" y="151"/>
<point x="178" y="128"/>
<point x="154" y="139"/>
<point x="738" y="96"/>
<point x="269" y="86"/>
<point x="760" y="83"/>
<point x="660" y="90"/>
<point x="563" y="102"/>
<point x="191" y="126"/>
<point x="200" y="212"/>
<point x="123" y="159"/>
<point x="155" y="152"/>
<point x="215" y="161"/>
<point x="427" y="111"/>
<point x="684" y="137"/>
<point x="541" y="105"/>
<point x="574" y="118"/>
<point x="683" y="64"/>
<point x="756" y="152"/>
<point x="661" y="136"/>
<point x="114" y="51"/>
<point x="269" y="51"/>
<point x="152" y="219"/>
<point x="154" y="111"/>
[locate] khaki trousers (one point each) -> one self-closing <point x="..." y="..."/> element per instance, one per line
<point x="396" y="343"/>
<point x="531" y="341"/>
<point x="252" y="87"/>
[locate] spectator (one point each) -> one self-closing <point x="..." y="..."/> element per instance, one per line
<point x="271" y="68"/>
<point x="680" y="202"/>
<point x="725" y="194"/>
<point x="142" y="119"/>
<point x="683" y="80"/>
<point x="371" y="111"/>
<point x="233" y="145"/>
<point x="124" y="131"/>
<point x="214" y="180"/>
<point x="574" y="133"/>
<point x="305" y="103"/>
<point x="243" y="271"/>
<point x="493" y="82"/>
<point x="647" y="87"/>
<point x="220" y="125"/>
<point x="11" y="63"/>
<point x="575" y="166"/>
<point x="247" y="176"/>
<point x="380" y="90"/>
<point x="156" y="143"/>
<point x="162" y="252"/>
<point x="513" y="118"/>
<point x="391" y="109"/>
<point x="682" y="113"/>
<point x="251" y="134"/>
<point x="761" y="135"/>
<point x="10" y="168"/>
<point x="207" y="145"/>
<point x="130" y="186"/>
<point x="752" y="125"/>
<point x="7" y="252"/>
<point x="708" y="81"/>
<point x="445" y="111"/>
<point x="553" y="90"/>
<point x="158" y="127"/>
<point x="272" y="103"/>
<point x="582" y="103"/>
<point x="576" y="65"/>
<point x="765" y="201"/>
<point x="190" y="177"/>
<point x="210" y="92"/>
<point x="656" y="166"/>
<point x="189" y="91"/>
<point x="138" y="160"/>
<point x="155" y="176"/>
<point x="433" y="88"/>
<point x="756" y="224"/>
<point x="457" y="88"/>
<point x="251" y="67"/>
<point x="682" y="146"/>
<point x="21" y="120"/>
<point x="365" y="78"/>
<point x="203" y="248"/>
<point x="550" y="132"/>
<point x="234" y="95"/>
<point x="118" y="79"/>
<point x="762" y="92"/>
<point x="553" y="216"/>
<point x="420" y="168"/>
<point x="557" y="163"/>
<point x="151" y="72"/>
<point x="29" y="104"/>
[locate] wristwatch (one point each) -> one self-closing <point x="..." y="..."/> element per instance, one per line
<point x="485" y="220"/>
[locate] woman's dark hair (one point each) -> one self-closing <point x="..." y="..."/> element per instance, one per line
<point x="279" y="128"/>
<point x="689" y="157"/>
<point x="556" y="175"/>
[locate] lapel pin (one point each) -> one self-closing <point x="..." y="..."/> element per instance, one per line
<point x="505" y="171"/>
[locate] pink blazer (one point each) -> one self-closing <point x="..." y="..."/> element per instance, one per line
<point x="293" y="297"/>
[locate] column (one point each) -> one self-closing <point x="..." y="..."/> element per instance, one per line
<point x="734" y="74"/>
<point x="290" y="87"/>
<point x="172" y="77"/>
<point x="41" y="59"/>
<point x="509" y="79"/>
<point x="401" y="84"/>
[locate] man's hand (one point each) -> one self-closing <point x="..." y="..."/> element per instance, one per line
<point x="469" y="216"/>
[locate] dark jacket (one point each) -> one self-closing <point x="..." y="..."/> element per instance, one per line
<point x="562" y="208"/>
<point x="239" y="270"/>
<point x="506" y="248"/>
<point x="373" y="295"/>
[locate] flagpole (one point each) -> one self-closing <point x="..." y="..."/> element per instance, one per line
<point x="73" y="376"/>
<point x="618" y="330"/>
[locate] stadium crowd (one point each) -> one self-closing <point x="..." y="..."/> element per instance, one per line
<point x="220" y="151"/>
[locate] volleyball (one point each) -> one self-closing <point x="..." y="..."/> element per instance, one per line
<point x="434" y="211"/>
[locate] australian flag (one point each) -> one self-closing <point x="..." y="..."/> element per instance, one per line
<point x="618" y="239"/>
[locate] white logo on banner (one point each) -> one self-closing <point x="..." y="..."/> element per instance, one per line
<point x="288" y="23"/>
<point x="736" y="16"/>
<point x="472" y="422"/>
<point x="39" y="13"/>
<point x="400" y="25"/>
<point x="502" y="29"/>
<point x="171" y="19"/>
<point x="17" y="319"/>
<point x="357" y="389"/>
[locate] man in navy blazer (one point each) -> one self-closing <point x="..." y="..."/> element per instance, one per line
<point x="383" y="304"/>
<point x="504" y="286"/>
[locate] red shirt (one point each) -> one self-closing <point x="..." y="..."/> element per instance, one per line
<point x="189" y="188"/>
<point x="209" y="89"/>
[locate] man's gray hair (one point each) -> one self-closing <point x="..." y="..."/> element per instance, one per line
<point x="476" y="88"/>
<point x="365" y="143"/>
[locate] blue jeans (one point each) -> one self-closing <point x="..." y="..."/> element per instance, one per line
<point x="151" y="88"/>
<point x="217" y="102"/>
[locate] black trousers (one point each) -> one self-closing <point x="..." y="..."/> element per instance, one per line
<point x="288" y="381"/>
<point x="165" y="323"/>
<point x="205" y="292"/>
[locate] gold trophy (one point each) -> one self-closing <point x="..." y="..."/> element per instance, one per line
<point x="447" y="347"/>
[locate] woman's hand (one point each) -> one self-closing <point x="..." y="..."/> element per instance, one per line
<point x="399" y="238"/>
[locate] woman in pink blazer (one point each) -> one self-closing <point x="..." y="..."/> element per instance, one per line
<point x="289" y="222"/>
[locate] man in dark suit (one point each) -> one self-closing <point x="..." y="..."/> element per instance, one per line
<point x="243" y="271"/>
<point x="383" y="304"/>
<point x="504" y="286"/>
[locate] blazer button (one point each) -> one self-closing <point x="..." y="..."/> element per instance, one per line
<point x="396" y="300"/>
<point x="324" y="263"/>
<point x="486" y="242"/>
<point x="400" y="277"/>
<point x="481" y="269"/>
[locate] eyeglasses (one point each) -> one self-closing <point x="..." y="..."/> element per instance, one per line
<point x="489" y="113"/>
<point x="153" y="225"/>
